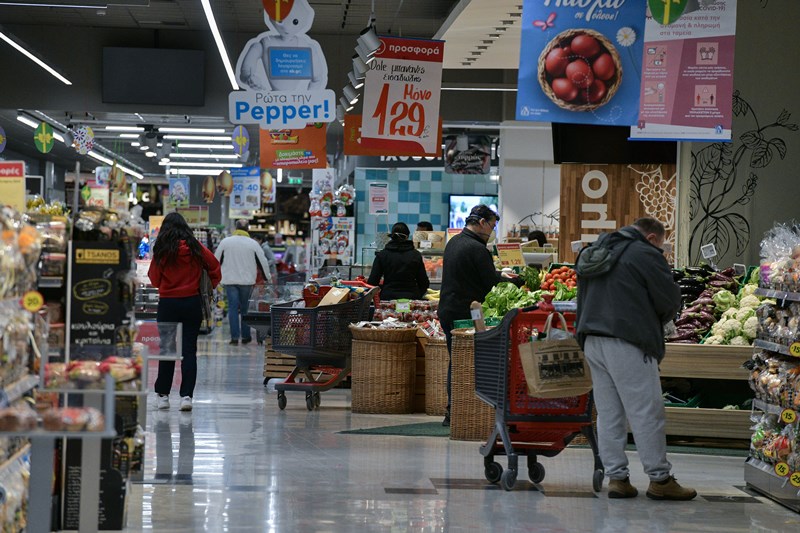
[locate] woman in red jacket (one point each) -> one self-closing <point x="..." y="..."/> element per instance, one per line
<point x="177" y="266"/>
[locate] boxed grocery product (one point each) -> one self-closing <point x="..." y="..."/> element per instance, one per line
<point x="336" y="295"/>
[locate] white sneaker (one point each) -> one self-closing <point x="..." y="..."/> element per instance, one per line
<point x="163" y="402"/>
<point x="186" y="403"/>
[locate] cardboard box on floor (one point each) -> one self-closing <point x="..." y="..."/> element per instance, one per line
<point x="335" y="296"/>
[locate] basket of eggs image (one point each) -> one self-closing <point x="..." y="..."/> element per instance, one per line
<point x="580" y="70"/>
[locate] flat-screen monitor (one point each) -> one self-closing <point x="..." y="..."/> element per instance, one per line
<point x="591" y="144"/>
<point x="462" y="204"/>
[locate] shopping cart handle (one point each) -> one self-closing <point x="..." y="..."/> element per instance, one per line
<point x="534" y="307"/>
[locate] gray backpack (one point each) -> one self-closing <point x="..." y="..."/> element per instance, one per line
<point x="599" y="258"/>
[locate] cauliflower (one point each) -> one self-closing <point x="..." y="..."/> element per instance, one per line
<point x="739" y="341"/>
<point x="730" y="313"/>
<point x="716" y="328"/>
<point x="750" y="301"/>
<point x="730" y="328"/>
<point x="744" y="313"/>
<point x="714" y="339"/>
<point x="750" y="327"/>
<point x="747" y="290"/>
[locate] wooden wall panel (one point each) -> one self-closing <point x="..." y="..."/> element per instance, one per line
<point x="633" y="191"/>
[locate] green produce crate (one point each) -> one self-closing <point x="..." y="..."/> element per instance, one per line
<point x="694" y="401"/>
<point x="490" y="321"/>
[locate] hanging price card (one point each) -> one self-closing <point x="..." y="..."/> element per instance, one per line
<point x="782" y="469"/>
<point x="788" y="416"/>
<point x="33" y="301"/>
<point x="794" y="349"/>
<point x="401" y="97"/>
<point x="794" y="479"/>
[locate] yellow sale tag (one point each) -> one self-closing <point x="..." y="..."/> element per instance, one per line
<point x="794" y="479"/>
<point x="788" y="416"/>
<point x="794" y="349"/>
<point x="33" y="301"/>
<point x="782" y="469"/>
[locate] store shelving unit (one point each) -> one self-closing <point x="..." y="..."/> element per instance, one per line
<point x="776" y="481"/>
<point x="700" y="361"/>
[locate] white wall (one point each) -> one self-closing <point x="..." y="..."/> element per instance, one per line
<point x="529" y="180"/>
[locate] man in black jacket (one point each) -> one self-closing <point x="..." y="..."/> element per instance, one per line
<point x="468" y="275"/>
<point x="626" y="295"/>
<point x="401" y="268"/>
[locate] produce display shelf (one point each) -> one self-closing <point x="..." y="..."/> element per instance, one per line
<point x="769" y="408"/>
<point x="700" y="422"/>
<point x="772" y="347"/>
<point x="778" y="295"/>
<point x="14" y="392"/>
<point x="704" y="361"/>
<point x="761" y="477"/>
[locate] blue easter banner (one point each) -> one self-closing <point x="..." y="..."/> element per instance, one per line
<point x="581" y="61"/>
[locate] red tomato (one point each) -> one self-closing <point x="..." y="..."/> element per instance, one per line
<point x="603" y="67"/>
<point x="585" y="45"/>
<point x="564" y="89"/>
<point x="556" y="62"/>
<point x="596" y="91"/>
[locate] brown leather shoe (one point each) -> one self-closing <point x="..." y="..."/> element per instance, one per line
<point x="621" y="488"/>
<point x="669" y="489"/>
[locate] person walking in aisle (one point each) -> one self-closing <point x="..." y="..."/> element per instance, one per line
<point x="241" y="258"/>
<point x="262" y="240"/>
<point x="401" y="268"/>
<point x="176" y="269"/>
<point x="626" y="294"/>
<point x="468" y="275"/>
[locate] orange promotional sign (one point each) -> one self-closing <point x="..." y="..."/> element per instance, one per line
<point x="305" y="148"/>
<point x="355" y="145"/>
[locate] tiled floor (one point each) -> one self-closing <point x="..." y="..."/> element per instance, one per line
<point x="238" y="463"/>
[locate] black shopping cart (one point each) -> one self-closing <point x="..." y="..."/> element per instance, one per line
<point x="320" y="340"/>
<point x="525" y="425"/>
<point x="288" y="288"/>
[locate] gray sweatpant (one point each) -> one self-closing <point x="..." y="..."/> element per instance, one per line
<point x="627" y="385"/>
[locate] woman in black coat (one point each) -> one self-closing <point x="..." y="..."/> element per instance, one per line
<point x="401" y="268"/>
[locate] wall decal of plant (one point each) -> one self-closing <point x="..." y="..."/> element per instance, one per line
<point x="716" y="171"/>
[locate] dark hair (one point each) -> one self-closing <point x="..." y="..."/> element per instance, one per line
<point x="479" y="212"/>
<point x="242" y="224"/>
<point x="648" y="225"/>
<point x="400" y="232"/>
<point x="424" y="226"/>
<point x="174" y="229"/>
<point x="538" y="236"/>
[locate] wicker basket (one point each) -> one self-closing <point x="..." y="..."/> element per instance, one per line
<point x="384" y="335"/>
<point x="436" y="360"/>
<point x="470" y="417"/>
<point x="383" y="375"/>
<point x="545" y="79"/>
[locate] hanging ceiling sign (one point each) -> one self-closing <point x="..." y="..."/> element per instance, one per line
<point x="241" y="140"/>
<point x="43" y="137"/>
<point x="3" y="139"/>
<point x="283" y="72"/>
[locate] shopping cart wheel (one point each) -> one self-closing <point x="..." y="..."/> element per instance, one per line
<point x="508" y="479"/>
<point x="310" y="403"/>
<point x="317" y="399"/>
<point x="493" y="472"/>
<point x="536" y="472"/>
<point x="597" y="480"/>
<point x="281" y="400"/>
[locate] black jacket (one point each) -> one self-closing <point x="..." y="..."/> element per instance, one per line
<point x="634" y="300"/>
<point x="402" y="270"/>
<point x="468" y="275"/>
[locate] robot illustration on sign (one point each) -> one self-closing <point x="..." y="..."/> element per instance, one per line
<point x="284" y="58"/>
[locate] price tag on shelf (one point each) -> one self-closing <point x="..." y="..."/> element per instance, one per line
<point x="794" y="479"/>
<point x="403" y="307"/>
<point x="788" y="416"/>
<point x="794" y="349"/>
<point x="426" y="244"/>
<point x="33" y="301"/>
<point x="782" y="469"/>
<point x="709" y="251"/>
<point x="401" y="95"/>
<point x="739" y="269"/>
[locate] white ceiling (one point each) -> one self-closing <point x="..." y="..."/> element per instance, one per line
<point x="474" y="40"/>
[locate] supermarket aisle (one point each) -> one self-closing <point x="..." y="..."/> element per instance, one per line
<point x="237" y="463"/>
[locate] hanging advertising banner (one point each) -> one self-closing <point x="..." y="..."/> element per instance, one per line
<point x="294" y="149"/>
<point x="178" y="193"/>
<point x="268" y="187"/>
<point x="687" y="81"/>
<point x="12" y="184"/>
<point x="195" y="215"/>
<point x="468" y="154"/>
<point x="580" y="62"/>
<point x="245" y="197"/>
<point x="240" y="140"/>
<point x="3" y="139"/>
<point x="401" y="97"/>
<point x="95" y="194"/>
<point x="378" y="195"/>
<point x="283" y="72"/>
<point x="353" y="144"/>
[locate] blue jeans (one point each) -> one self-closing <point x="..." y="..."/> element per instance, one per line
<point x="238" y="300"/>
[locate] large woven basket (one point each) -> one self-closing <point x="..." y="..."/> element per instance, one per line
<point x="470" y="417"/>
<point x="545" y="79"/>
<point x="384" y="335"/>
<point x="383" y="375"/>
<point x="436" y="360"/>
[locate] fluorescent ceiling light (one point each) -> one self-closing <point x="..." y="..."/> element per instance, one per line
<point x="201" y="146"/>
<point x="124" y="128"/>
<point x="27" y="121"/>
<point x="136" y="144"/>
<point x="129" y="136"/>
<point x="150" y="154"/>
<point x="204" y="156"/>
<point x="280" y="175"/>
<point x="198" y="137"/>
<point x="212" y="23"/>
<point x="195" y="171"/>
<point x="206" y="165"/>
<point x="133" y="173"/>
<point x="100" y="158"/>
<point x="192" y="130"/>
<point x="32" y="57"/>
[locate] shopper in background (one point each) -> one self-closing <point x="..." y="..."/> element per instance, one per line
<point x="468" y="276"/>
<point x="263" y="241"/>
<point x="624" y="343"/>
<point x="424" y="225"/>
<point x="177" y="266"/>
<point x="538" y="236"/>
<point x="401" y="268"/>
<point x="241" y="258"/>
